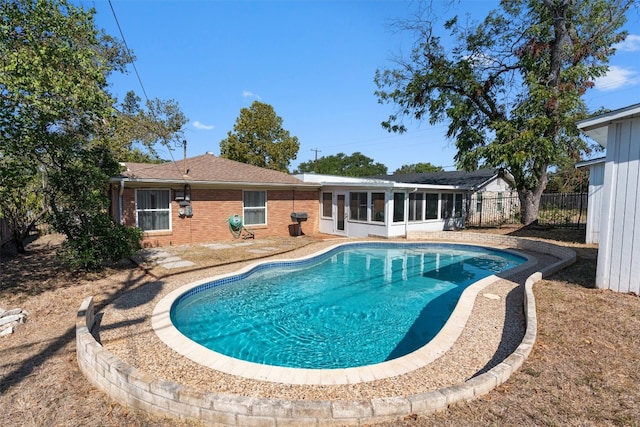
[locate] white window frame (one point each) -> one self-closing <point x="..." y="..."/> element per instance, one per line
<point x="245" y="208"/>
<point x="167" y="209"/>
<point x="415" y="206"/>
<point x="323" y="204"/>
<point x="451" y="212"/>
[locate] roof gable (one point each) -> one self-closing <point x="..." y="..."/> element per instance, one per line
<point x="597" y="127"/>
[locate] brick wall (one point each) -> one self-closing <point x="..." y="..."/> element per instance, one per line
<point x="211" y="209"/>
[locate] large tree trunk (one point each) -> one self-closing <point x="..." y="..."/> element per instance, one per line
<point x="529" y="205"/>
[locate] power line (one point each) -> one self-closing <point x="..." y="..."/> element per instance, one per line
<point x="135" y="69"/>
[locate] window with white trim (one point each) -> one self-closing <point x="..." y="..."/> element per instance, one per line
<point x="377" y="206"/>
<point x="451" y="206"/>
<point x="415" y="206"/>
<point x="327" y="205"/>
<point x="398" y="207"/>
<point x="153" y="209"/>
<point x="432" y="205"/>
<point x="358" y="206"/>
<point x="254" y="207"/>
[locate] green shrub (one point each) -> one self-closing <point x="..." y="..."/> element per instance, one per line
<point x="102" y="241"/>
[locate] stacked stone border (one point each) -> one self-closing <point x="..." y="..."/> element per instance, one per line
<point x="139" y="390"/>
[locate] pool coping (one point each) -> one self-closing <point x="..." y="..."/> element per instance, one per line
<point x="134" y="388"/>
<point x="440" y="344"/>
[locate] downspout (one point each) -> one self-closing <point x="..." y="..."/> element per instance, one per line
<point x="120" y="202"/>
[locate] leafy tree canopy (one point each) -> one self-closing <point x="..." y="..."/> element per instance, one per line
<point x="418" y="168"/>
<point x="55" y="114"/>
<point x="340" y="164"/>
<point x="136" y="131"/>
<point x="510" y="87"/>
<point x="259" y="139"/>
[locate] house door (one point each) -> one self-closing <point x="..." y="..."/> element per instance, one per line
<point x="341" y="213"/>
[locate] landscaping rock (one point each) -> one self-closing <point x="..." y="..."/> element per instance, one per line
<point x="11" y="318"/>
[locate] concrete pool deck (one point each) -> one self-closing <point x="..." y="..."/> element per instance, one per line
<point x="136" y="368"/>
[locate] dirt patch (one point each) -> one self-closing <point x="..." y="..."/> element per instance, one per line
<point x="583" y="369"/>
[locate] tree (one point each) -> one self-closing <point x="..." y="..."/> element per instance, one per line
<point x="510" y="87"/>
<point x="566" y="178"/>
<point x="340" y="164"/>
<point x="418" y="168"/>
<point x="55" y="113"/>
<point x="22" y="195"/>
<point x="136" y="131"/>
<point x="259" y="139"/>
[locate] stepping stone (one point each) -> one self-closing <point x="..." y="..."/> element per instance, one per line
<point x="216" y="246"/>
<point x="258" y="251"/>
<point x="269" y="248"/>
<point x="243" y="244"/>
<point x="154" y="254"/>
<point x="491" y="296"/>
<point x="169" y="260"/>
<point x="177" y="264"/>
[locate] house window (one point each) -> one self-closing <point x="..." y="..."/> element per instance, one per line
<point x="415" y="206"/>
<point x="432" y="206"/>
<point x="254" y="207"/>
<point x="451" y="206"/>
<point x="499" y="202"/>
<point x="479" y="203"/>
<point x="358" y="206"/>
<point x="457" y="205"/>
<point x="377" y="201"/>
<point x="153" y="209"/>
<point x="398" y="207"/>
<point x="327" y="204"/>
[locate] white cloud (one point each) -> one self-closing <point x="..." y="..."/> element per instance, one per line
<point x="630" y="44"/>
<point x="249" y="94"/>
<point x="616" y="78"/>
<point x="198" y="125"/>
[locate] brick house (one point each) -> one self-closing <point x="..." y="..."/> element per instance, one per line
<point x="191" y="201"/>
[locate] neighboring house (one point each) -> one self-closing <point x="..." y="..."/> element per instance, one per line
<point x="396" y="205"/>
<point x="619" y="251"/>
<point x="191" y="201"/>
<point x="594" y="200"/>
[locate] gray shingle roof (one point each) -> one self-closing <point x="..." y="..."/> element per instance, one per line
<point x="456" y="178"/>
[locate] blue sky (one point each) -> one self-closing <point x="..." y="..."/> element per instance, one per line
<point x="312" y="61"/>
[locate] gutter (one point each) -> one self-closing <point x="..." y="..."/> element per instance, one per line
<point x="217" y="183"/>
<point x="121" y="203"/>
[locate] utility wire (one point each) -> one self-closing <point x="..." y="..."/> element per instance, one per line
<point x="128" y="51"/>
<point x="135" y="69"/>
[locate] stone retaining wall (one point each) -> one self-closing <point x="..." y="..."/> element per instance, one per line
<point x="138" y="390"/>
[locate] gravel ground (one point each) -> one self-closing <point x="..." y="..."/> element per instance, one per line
<point x="493" y="331"/>
<point x="583" y="370"/>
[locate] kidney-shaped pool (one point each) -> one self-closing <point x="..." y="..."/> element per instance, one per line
<point x="354" y="305"/>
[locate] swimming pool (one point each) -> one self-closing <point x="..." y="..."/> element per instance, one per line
<point x="381" y="302"/>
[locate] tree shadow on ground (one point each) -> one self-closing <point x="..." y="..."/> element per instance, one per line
<point x="37" y="272"/>
<point x="560" y="234"/>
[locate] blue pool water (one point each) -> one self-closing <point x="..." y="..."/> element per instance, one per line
<point x="356" y="305"/>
